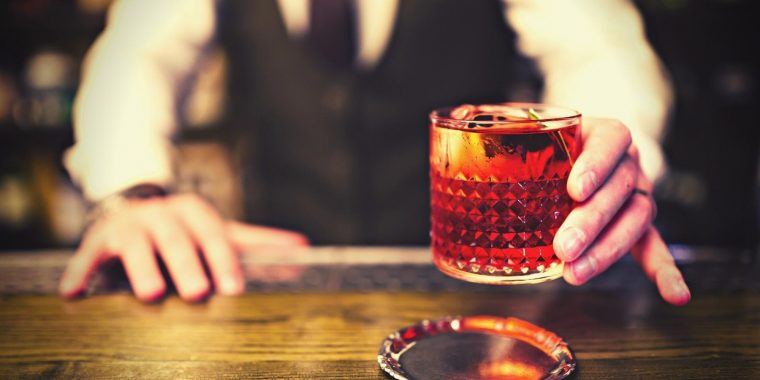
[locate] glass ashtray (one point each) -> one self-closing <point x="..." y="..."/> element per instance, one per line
<point x="475" y="347"/>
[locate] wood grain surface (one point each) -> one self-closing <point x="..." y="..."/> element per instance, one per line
<point x="615" y="333"/>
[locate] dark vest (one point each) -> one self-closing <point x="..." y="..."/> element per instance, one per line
<point x="342" y="155"/>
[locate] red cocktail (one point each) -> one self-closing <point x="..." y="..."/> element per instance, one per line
<point x="499" y="189"/>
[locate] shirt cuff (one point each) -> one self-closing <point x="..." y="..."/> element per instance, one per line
<point x="102" y="170"/>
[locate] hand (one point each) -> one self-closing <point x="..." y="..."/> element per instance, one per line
<point x="613" y="217"/>
<point x="177" y="228"/>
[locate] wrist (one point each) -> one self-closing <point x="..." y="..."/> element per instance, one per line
<point x="118" y="201"/>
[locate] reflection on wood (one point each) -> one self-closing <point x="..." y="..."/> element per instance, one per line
<point x="330" y="325"/>
<point x="337" y="335"/>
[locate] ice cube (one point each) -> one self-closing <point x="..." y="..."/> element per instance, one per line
<point x="463" y="112"/>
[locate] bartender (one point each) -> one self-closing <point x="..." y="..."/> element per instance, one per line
<point x="331" y="97"/>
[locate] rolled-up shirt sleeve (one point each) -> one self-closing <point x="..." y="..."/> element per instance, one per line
<point x="595" y="58"/>
<point x="125" y="112"/>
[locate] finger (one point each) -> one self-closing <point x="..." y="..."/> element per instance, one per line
<point x="176" y="247"/>
<point x="605" y="141"/>
<point x="587" y="220"/>
<point x="142" y="267"/>
<point x="81" y="266"/>
<point x="658" y="264"/>
<point x="273" y="274"/>
<point x="207" y="229"/>
<point x="615" y="241"/>
<point x="246" y="236"/>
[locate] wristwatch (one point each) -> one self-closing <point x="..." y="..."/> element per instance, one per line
<point x="118" y="201"/>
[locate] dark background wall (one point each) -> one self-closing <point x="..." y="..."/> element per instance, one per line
<point x="710" y="48"/>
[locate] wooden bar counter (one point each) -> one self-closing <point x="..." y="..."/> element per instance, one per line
<point x="325" y="312"/>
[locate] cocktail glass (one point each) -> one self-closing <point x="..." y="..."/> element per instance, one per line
<point x="498" y="181"/>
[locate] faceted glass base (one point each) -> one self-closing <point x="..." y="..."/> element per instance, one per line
<point x="450" y="268"/>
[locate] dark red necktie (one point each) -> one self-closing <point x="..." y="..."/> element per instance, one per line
<point x="331" y="33"/>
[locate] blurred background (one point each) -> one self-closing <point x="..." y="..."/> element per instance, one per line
<point x="711" y="196"/>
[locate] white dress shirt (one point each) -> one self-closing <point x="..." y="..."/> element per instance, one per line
<point x="592" y="53"/>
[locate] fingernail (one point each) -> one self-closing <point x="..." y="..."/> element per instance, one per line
<point x="195" y="290"/>
<point x="583" y="269"/>
<point x="680" y="288"/>
<point x="589" y="182"/>
<point x="572" y="240"/>
<point x="152" y="295"/>
<point x="67" y="286"/>
<point x="230" y="286"/>
<point x="66" y="290"/>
